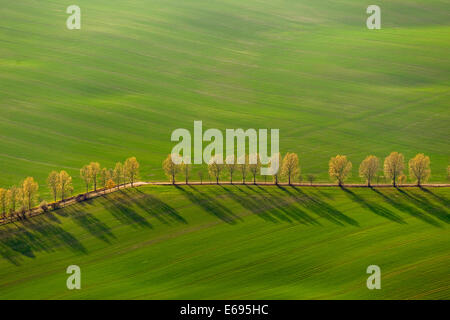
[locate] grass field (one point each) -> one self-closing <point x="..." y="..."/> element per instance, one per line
<point x="137" y="70"/>
<point x="243" y="242"/>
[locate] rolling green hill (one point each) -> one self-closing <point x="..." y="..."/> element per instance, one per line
<point x="138" y="69"/>
<point x="234" y="242"/>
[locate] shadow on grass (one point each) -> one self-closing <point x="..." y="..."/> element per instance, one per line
<point x="121" y="208"/>
<point x="158" y="208"/>
<point x="319" y="207"/>
<point x="423" y="203"/>
<point x="269" y="206"/>
<point x="375" y="208"/>
<point x="402" y="206"/>
<point x="26" y="238"/>
<point x="208" y="203"/>
<point x="444" y="201"/>
<point x="91" y="224"/>
<point x="125" y="205"/>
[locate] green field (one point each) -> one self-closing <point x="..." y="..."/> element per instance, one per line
<point x="138" y="69"/>
<point x="241" y="242"/>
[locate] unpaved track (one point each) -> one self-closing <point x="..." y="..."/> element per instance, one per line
<point x="94" y="194"/>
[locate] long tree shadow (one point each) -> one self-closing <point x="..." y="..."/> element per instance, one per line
<point x="320" y="207"/>
<point x="209" y="204"/>
<point x="91" y="224"/>
<point x="444" y="201"/>
<point x="150" y="204"/>
<point x="35" y="235"/>
<point x="264" y="204"/>
<point x="375" y="208"/>
<point x="404" y="207"/>
<point x="54" y="234"/>
<point x="158" y="208"/>
<point x="247" y="202"/>
<point x="20" y="242"/>
<point x="257" y="204"/>
<point x="121" y="209"/>
<point x="52" y="217"/>
<point x="428" y="207"/>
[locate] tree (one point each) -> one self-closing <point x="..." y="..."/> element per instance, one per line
<point x="85" y="174"/>
<point x="118" y="174"/>
<point x="402" y="179"/>
<point x="393" y="166"/>
<point x="3" y="202"/>
<point x="186" y="167"/>
<point x="231" y="165"/>
<point x="131" y="168"/>
<point x="311" y="178"/>
<point x="21" y="200"/>
<point x="243" y="167"/>
<point x="105" y="175"/>
<point x="65" y="184"/>
<point x="170" y="168"/>
<point x="215" y="167"/>
<point x="368" y="168"/>
<point x="339" y="168"/>
<point x="95" y="170"/>
<point x="290" y="167"/>
<point x="200" y="176"/>
<point x="276" y="174"/>
<point x="110" y="184"/>
<point x="419" y="168"/>
<point x="30" y="188"/>
<point x="12" y="196"/>
<point x="52" y="182"/>
<point x="43" y="206"/>
<point x="254" y="165"/>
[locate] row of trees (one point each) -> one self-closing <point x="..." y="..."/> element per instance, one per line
<point x="93" y="174"/>
<point x="339" y="168"/>
<point x="18" y="198"/>
<point x="23" y="198"/>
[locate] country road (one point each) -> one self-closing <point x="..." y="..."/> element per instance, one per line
<point x="93" y="194"/>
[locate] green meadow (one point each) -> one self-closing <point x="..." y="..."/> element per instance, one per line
<point x="234" y="242"/>
<point x="138" y="69"/>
